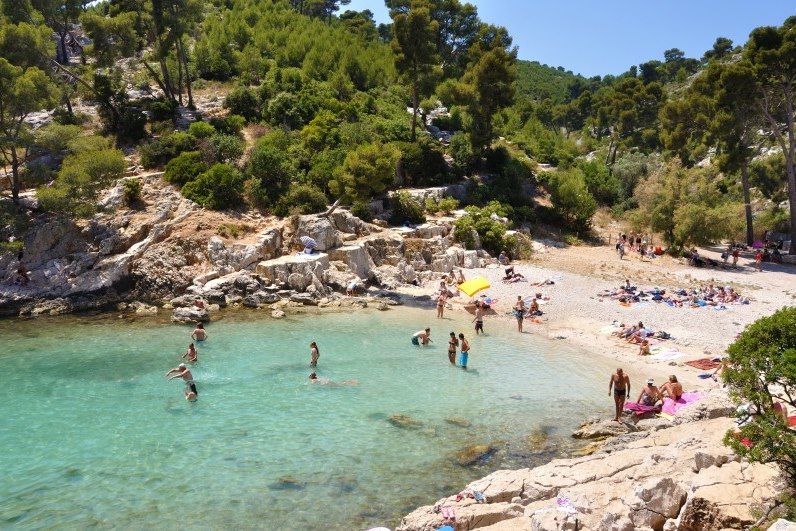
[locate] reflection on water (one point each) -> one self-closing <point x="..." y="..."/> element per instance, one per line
<point x="93" y="434"/>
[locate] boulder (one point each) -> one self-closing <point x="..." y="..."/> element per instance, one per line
<point x="355" y="257"/>
<point x="319" y="229"/>
<point x="470" y="260"/>
<point x="304" y="298"/>
<point x="782" y="525"/>
<point x="204" y="278"/>
<point x="278" y="270"/>
<point x="385" y="249"/>
<point x="141" y="308"/>
<point x="655" y="501"/>
<point x="190" y="315"/>
<point x="297" y="281"/>
<point x="215" y="296"/>
<point x="251" y="301"/>
<point x="346" y="222"/>
<point x="277" y="314"/>
<point x="475" y="454"/>
<point x="602" y="429"/>
<point x="184" y="301"/>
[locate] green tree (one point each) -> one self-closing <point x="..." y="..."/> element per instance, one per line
<point x="571" y="199"/>
<point x="772" y="54"/>
<point x="218" y="188"/>
<point x="721" y="49"/>
<point x="22" y="91"/>
<point x="413" y="44"/>
<point x="761" y="371"/>
<point x="366" y="172"/>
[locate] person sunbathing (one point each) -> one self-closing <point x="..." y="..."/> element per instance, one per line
<point x="673" y="389"/>
<point x="644" y="349"/>
<point x="650" y="395"/>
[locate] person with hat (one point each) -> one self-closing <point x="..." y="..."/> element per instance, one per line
<point x="181" y="371"/>
<point x="649" y="395"/>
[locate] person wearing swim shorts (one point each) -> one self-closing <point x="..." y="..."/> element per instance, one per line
<point x="519" y="312"/>
<point x="479" y="318"/>
<point x="422" y="337"/>
<point x="453" y="343"/>
<point x="620" y="384"/>
<point x="649" y="395"/>
<point x="181" y="371"/>
<point x="199" y="333"/>
<point x="465" y="351"/>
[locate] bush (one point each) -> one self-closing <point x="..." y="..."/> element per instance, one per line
<point x="406" y="209"/>
<point x="56" y="138"/>
<point x="362" y="210"/>
<point x="301" y="199"/>
<point x="231" y="125"/>
<point x="226" y="148"/>
<point x="367" y="171"/>
<point x="201" y="130"/>
<point x="132" y="191"/>
<point x="462" y="153"/>
<point x="161" y="150"/>
<point x="422" y="165"/>
<point x="446" y="205"/>
<point x="83" y="144"/>
<point x="244" y="102"/>
<point x="572" y="200"/>
<point x="491" y="233"/>
<point x="762" y="372"/>
<point x="218" y="188"/>
<point x="162" y="110"/>
<point x="271" y="164"/>
<point x="603" y="186"/>
<point x="184" y="168"/>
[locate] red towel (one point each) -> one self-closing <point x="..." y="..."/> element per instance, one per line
<point x="704" y="364"/>
<point x="792" y="420"/>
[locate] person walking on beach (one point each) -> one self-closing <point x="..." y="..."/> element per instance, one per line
<point x="199" y="333"/>
<point x="620" y="384"/>
<point x="441" y="298"/>
<point x="465" y="351"/>
<point x="314" y="354"/>
<point x="735" y="254"/>
<point x="181" y="371"/>
<point x="453" y="343"/>
<point x="190" y="354"/>
<point x="759" y="261"/>
<point x="479" y="318"/>
<point x="519" y="312"/>
<point x="422" y="337"/>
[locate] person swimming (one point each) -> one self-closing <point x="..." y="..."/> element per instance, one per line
<point x="190" y="354"/>
<point x="181" y="371"/>
<point x="422" y="337"/>
<point x="199" y="333"/>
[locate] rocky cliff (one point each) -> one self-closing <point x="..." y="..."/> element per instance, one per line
<point x="661" y="476"/>
<point x="167" y="247"/>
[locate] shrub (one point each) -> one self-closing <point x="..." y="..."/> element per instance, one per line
<point x="161" y="150"/>
<point x="184" y="168"/>
<point x="446" y="205"/>
<point x="231" y="125"/>
<point x="244" y="102"/>
<point x="362" y="210"/>
<point x="301" y="199"/>
<point x="254" y="193"/>
<point x="218" y="188"/>
<point x="162" y="110"/>
<point x="572" y="200"/>
<point x="270" y="163"/>
<point x="421" y="164"/>
<point x="367" y="171"/>
<point x="406" y="209"/>
<point x="462" y="153"/>
<point x="227" y="148"/>
<point x="762" y="372"/>
<point x="132" y="191"/>
<point x="491" y="233"/>
<point x="56" y="138"/>
<point x="83" y="144"/>
<point x="201" y="130"/>
<point x="602" y="185"/>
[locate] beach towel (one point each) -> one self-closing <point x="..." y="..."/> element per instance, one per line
<point x="704" y="364"/>
<point x="673" y="406"/>
<point x="792" y="421"/>
<point x="641" y="409"/>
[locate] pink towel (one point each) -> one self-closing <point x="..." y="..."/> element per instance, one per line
<point x="639" y="408"/>
<point x="671" y="406"/>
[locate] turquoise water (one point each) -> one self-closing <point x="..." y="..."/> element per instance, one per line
<point x="91" y="433"/>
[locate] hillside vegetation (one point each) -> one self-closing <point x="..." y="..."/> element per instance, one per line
<point x="323" y="105"/>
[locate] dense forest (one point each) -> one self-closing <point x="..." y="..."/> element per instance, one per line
<point x="323" y="105"/>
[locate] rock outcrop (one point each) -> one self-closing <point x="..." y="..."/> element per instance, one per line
<point x="681" y="477"/>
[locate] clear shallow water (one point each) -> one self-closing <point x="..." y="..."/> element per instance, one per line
<point x="91" y="434"/>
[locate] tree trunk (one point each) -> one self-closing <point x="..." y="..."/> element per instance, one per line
<point x="14" y="176"/>
<point x="184" y="58"/>
<point x="68" y="102"/>
<point x="415" y="105"/>
<point x="790" y="154"/>
<point x="747" y="203"/>
<point x="64" y="55"/>
<point x="179" y="73"/>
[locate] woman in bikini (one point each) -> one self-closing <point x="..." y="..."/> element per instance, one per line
<point x="441" y="304"/>
<point x="453" y="343"/>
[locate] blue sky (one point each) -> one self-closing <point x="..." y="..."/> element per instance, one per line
<point x="594" y="37"/>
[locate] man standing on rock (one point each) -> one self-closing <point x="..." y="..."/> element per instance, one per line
<point x="620" y="383"/>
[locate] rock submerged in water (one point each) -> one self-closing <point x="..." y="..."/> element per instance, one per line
<point x="400" y="420"/>
<point x="460" y="422"/>
<point x="475" y="454"/>
<point x="287" y="483"/>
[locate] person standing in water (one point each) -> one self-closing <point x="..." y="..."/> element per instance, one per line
<point x="452" y="344"/>
<point x="314" y="354"/>
<point x="620" y="383"/>
<point x="199" y="333"/>
<point x="519" y="312"/>
<point x="181" y="371"/>
<point x="190" y="354"/>
<point x="422" y="337"/>
<point x="479" y="318"/>
<point x="465" y="351"/>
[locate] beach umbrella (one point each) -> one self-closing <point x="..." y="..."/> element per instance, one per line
<point x="308" y="242"/>
<point x="473" y="286"/>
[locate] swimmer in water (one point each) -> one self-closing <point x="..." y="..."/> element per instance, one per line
<point x="181" y="371"/>
<point x="190" y="354"/>
<point x="422" y="337"/>
<point x="199" y="333"/>
<point x="326" y="381"/>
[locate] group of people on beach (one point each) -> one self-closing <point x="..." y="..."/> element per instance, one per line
<point x="636" y="242"/>
<point x="707" y="295"/>
<point x="650" y="395"/>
